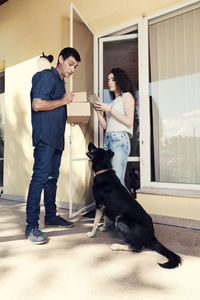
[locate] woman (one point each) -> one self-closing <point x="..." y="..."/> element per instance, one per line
<point x="118" y="122"/>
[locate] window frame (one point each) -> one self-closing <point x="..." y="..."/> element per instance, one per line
<point x="145" y="134"/>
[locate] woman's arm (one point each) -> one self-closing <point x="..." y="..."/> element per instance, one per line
<point x="129" y="104"/>
<point x="39" y="104"/>
<point x="101" y="119"/>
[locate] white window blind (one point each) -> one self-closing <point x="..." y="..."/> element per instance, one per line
<point x="174" y="46"/>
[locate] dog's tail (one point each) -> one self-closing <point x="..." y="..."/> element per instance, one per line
<point x="174" y="260"/>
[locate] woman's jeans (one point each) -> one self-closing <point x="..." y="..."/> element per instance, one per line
<point x="119" y="143"/>
<point x="45" y="175"/>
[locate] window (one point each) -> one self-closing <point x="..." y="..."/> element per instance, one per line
<point x="174" y="47"/>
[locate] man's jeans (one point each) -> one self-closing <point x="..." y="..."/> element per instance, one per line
<point x="119" y="143"/>
<point x="45" y="175"/>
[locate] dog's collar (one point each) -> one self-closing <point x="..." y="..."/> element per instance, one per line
<point x="101" y="171"/>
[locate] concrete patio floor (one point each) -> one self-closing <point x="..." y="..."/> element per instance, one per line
<point x="72" y="266"/>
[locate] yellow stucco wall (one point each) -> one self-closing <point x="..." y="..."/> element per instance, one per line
<point x="170" y="205"/>
<point x="105" y="14"/>
<point x="28" y="28"/>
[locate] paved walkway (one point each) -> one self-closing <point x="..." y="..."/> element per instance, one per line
<point x="72" y="266"/>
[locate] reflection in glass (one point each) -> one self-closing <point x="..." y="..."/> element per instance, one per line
<point x="174" y="98"/>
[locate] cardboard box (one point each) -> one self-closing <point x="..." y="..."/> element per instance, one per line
<point x="80" y="97"/>
<point x="78" y="112"/>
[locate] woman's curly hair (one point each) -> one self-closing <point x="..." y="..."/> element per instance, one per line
<point x="124" y="85"/>
<point x="123" y="82"/>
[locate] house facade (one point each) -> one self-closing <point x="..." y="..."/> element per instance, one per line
<point x="157" y="42"/>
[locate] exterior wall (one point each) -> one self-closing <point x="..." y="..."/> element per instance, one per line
<point x="186" y="207"/>
<point x="27" y="28"/>
<point x="104" y="15"/>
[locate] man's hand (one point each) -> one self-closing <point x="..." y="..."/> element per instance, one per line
<point x="39" y="104"/>
<point x="68" y="97"/>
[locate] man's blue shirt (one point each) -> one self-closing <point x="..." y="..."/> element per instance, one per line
<point x="48" y="126"/>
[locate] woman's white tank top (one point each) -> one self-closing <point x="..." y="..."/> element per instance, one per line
<point x="112" y="123"/>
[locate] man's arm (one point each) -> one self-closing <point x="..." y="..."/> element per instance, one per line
<point x="39" y="104"/>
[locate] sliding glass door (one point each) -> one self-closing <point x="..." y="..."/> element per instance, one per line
<point x="174" y="47"/>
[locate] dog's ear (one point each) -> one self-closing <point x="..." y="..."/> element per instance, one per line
<point x="110" y="153"/>
<point x="91" y="147"/>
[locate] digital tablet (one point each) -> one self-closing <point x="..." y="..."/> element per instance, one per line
<point x="93" y="98"/>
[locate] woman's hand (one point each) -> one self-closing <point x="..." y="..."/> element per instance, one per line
<point x="100" y="106"/>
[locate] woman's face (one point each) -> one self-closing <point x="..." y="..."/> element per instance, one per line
<point x="111" y="83"/>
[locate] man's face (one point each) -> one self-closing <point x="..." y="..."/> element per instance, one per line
<point x="67" y="66"/>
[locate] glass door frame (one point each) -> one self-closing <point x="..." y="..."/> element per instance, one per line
<point x="101" y="57"/>
<point x="145" y="136"/>
<point x="71" y="158"/>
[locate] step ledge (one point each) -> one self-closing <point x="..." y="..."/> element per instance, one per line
<point x="169" y="192"/>
<point x="176" y="222"/>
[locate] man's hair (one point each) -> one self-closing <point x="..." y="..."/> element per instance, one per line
<point x="67" y="52"/>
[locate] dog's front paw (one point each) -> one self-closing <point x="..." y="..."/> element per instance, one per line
<point x="102" y="228"/>
<point x="89" y="234"/>
<point x="114" y="247"/>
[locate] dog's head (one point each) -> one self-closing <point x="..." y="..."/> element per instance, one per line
<point x="101" y="159"/>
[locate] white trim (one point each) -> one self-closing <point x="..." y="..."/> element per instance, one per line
<point x="169" y="192"/>
<point x="70" y="172"/>
<point x="96" y="69"/>
<point x="133" y="158"/>
<point x="101" y="86"/>
<point x="144" y="101"/>
<point x="71" y="159"/>
<point x="126" y="30"/>
<point x="119" y="37"/>
<point x="70" y="129"/>
<point x="118" y="28"/>
<point x="84" y="209"/>
<point x="171" y="8"/>
<point x="170" y="185"/>
<point x="71" y="40"/>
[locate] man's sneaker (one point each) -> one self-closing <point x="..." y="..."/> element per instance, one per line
<point x="36" y="236"/>
<point x="57" y="221"/>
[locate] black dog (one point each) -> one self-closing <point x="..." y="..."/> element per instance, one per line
<point x="131" y="221"/>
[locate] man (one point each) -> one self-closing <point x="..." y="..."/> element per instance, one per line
<point x="49" y="115"/>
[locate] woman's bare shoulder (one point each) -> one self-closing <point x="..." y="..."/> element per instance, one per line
<point x="128" y="96"/>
